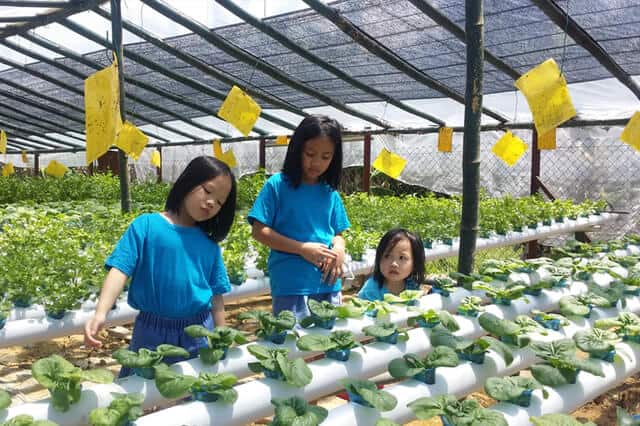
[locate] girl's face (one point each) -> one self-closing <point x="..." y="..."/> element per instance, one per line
<point x="317" y="154"/>
<point x="205" y="200"/>
<point x="397" y="264"/>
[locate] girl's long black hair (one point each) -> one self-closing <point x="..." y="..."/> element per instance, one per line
<point x="309" y="128"/>
<point x="197" y="172"/>
<point x="388" y="242"/>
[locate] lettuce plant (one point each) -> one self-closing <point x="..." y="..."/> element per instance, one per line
<point x="561" y="365"/>
<point x="457" y="413"/>
<point x="430" y="318"/>
<point x="336" y="345"/>
<point x="502" y="295"/>
<point x="207" y="387"/>
<point x="442" y="285"/>
<point x="597" y="343"/>
<point x="470" y="306"/>
<point x="625" y="325"/>
<point x="365" y="392"/>
<point x="423" y="369"/>
<point x="275" y="364"/>
<point x="386" y="332"/>
<point x="296" y="411"/>
<point x="508" y="331"/>
<point x="271" y="327"/>
<point x="323" y="315"/>
<point x="580" y="305"/>
<point x="124" y="409"/>
<point x="406" y="297"/>
<point x="549" y="320"/>
<point x="144" y="361"/>
<point x="63" y="379"/>
<point x="354" y="308"/>
<point x="219" y="340"/>
<point x="515" y="389"/>
<point x="27" y="420"/>
<point x="470" y="349"/>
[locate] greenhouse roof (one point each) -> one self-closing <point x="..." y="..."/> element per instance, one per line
<point x="381" y="64"/>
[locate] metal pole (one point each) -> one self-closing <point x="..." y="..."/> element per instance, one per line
<point x="159" y="169"/>
<point x="116" y="28"/>
<point x="262" y="155"/>
<point x="36" y="165"/>
<point x="471" y="140"/>
<point x="532" y="247"/>
<point x="366" y="169"/>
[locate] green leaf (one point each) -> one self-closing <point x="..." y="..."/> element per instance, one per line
<point x="571" y="306"/>
<point x="210" y="356"/>
<point x="448" y="321"/>
<point x="442" y="356"/>
<point x="500" y="348"/>
<point x="379" y="399"/>
<point x="285" y="320"/>
<point x="429" y="407"/>
<point x="548" y="375"/>
<point x="98" y="375"/>
<point x="5" y="399"/>
<point x="595" y="340"/>
<point x="296" y="411"/>
<point x="296" y="372"/>
<point x="143" y="358"/>
<point x="324" y="310"/>
<point x="406" y="366"/>
<point x="484" y="417"/>
<point x="171" y="384"/>
<point x="48" y="371"/>
<point x="509" y="388"/>
<point x="307" y="322"/>
<point x="557" y="420"/>
<point x="197" y="330"/>
<point x="380" y="330"/>
<point x="497" y="326"/>
<point x="315" y="342"/>
<point x="27" y="420"/>
<point x="166" y="350"/>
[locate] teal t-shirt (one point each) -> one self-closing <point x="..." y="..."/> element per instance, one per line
<point x="174" y="269"/>
<point x="373" y="291"/>
<point x="310" y="213"/>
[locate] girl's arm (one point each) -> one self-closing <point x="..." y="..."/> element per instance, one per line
<point x="315" y="253"/>
<point x="111" y="289"/>
<point x="217" y="310"/>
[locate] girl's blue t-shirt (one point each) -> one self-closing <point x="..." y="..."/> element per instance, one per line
<point x="174" y="269"/>
<point x="373" y="291"/>
<point x="310" y="213"/>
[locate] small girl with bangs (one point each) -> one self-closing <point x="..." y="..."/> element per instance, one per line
<point x="399" y="265"/>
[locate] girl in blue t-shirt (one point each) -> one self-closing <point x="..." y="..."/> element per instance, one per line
<point x="300" y="216"/>
<point x="399" y="265"/>
<point x="174" y="262"/>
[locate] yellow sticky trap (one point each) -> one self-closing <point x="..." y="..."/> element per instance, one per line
<point x="547" y="95"/>
<point x="155" y="158"/>
<point x="8" y="169"/>
<point x="3" y="142"/>
<point x="217" y="149"/>
<point x="55" y="169"/>
<point x="548" y="140"/>
<point x="389" y="163"/>
<point x="282" y="140"/>
<point x="240" y="110"/>
<point x="509" y="148"/>
<point x="102" y="111"/>
<point x="229" y="158"/>
<point x="24" y="156"/>
<point x="631" y="132"/>
<point x="131" y="140"/>
<point x="445" y="139"/>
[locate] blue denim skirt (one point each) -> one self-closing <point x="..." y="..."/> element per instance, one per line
<point x="151" y="330"/>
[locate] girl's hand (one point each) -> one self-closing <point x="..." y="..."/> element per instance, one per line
<point x="334" y="270"/>
<point x="91" y="329"/>
<point x="317" y="254"/>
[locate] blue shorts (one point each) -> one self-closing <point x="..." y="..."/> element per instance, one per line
<point x="298" y="303"/>
<point x="151" y="330"/>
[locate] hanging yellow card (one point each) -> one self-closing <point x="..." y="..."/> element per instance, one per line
<point x="3" y="141"/>
<point x="282" y="140"/>
<point x="55" y="169"/>
<point x="389" y="163"/>
<point x="509" y="148"/>
<point x="8" y="169"/>
<point x="631" y="132"/>
<point x="547" y="95"/>
<point x="240" y="110"/>
<point x="102" y="111"/>
<point x="217" y="149"/>
<point x="155" y="158"/>
<point x="548" y="140"/>
<point x="24" y="156"/>
<point x="445" y="139"/>
<point x="229" y="158"/>
<point x="131" y="140"/>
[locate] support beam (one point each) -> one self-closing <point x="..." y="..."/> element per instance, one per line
<point x="533" y="249"/>
<point x="28" y="133"/>
<point x="366" y="164"/>
<point x="382" y="52"/>
<point x="262" y="154"/>
<point x="316" y="60"/>
<point x="36" y="165"/>
<point x="471" y="141"/>
<point x="116" y="30"/>
<point x="556" y="14"/>
<point x="210" y="71"/>
<point x="254" y="61"/>
<point x="439" y="18"/>
<point x="43" y="123"/>
<point x="28" y="3"/>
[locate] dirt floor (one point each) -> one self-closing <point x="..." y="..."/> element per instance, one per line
<point x="15" y="369"/>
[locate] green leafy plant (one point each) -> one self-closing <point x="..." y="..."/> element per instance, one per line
<point x="124" y="409"/>
<point x="550" y="320"/>
<point x="516" y="389"/>
<point x="5" y="399"/>
<point x="558" y="420"/>
<point x="270" y="327"/>
<point x="63" y="380"/>
<point x="207" y="387"/>
<point x="561" y="365"/>
<point x="470" y="349"/>
<point x="354" y="308"/>
<point x="502" y="295"/>
<point x="442" y="285"/>
<point x="625" y="325"/>
<point x="219" y="340"/>
<point x="296" y="411"/>
<point x="365" y="392"/>
<point x="423" y="369"/>
<point x="470" y="306"/>
<point x="275" y="364"/>
<point x="581" y="305"/>
<point x="597" y="343"/>
<point x="430" y="318"/>
<point x="385" y="422"/>
<point x="406" y="297"/>
<point x="386" y="332"/>
<point x="27" y="420"/>
<point x="336" y="345"/>
<point x="508" y="331"/>
<point x="144" y="360"/>
<point x="457" y="413"/>
<point x="323" y="315"/>
<point x="467" y="280"/>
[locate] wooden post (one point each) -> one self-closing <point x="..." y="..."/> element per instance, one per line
<point x="366" y="166"/>
<point x="471" y="141"/>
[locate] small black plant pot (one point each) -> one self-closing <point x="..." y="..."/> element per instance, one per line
<point x="145" y="372"/>
<point x="428" y="376"/>
<point x="524" y="400"/>
<point x="338" y="354"/>
<point x="552" y="324"/>
<point x="277" y="338"/>
<point x="56" y="315"/>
